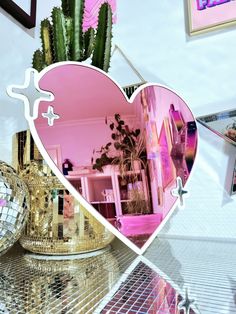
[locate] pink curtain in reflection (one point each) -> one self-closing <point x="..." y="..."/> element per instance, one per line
<point x="91" y="12"/>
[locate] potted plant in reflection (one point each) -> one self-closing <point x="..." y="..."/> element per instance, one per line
<point x="105" y="158"/>
<point x="126" y="152"/>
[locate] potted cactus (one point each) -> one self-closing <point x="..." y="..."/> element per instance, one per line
<point x="63" y="37"/>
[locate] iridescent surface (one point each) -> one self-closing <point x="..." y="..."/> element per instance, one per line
<point x="206" y="268"/>
<point x="144" y="291"/>
<point x="29" y="285"/>
<point x="14" y="206"/>
<point x="57" y="223"/>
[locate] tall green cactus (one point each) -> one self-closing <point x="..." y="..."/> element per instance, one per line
<point x="59" y="35"/>
<point x="102" y="49"/>
<point x="65" y="4"/>
<point x="77" y="13"/>
<point x="46" y="33"/>
<point x="69" y="33"/>
<point x="63" y="39"/>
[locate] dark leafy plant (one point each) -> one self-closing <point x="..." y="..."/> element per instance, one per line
<point x="104" y="158"/>
<point x="127" y="146"/>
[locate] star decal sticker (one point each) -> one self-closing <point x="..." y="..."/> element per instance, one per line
<point x="50" y="115"/>
<point x="30" y="93"/>
<point x="186" y="304"/>
<point x="179" y="191"/>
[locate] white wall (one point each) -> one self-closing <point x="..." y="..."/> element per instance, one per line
<point x="17" y="47"/>
<point x="201" y="69"/>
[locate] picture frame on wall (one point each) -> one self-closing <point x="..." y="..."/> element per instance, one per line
<point x="168" y="171"/>
<point x="28" y="20"/>
<point x="222" y="123"/>
<point x="209" y="15"/>
<point x="233" y="188"/>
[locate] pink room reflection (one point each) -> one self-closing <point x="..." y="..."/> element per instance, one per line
<point x="87" y="102"/>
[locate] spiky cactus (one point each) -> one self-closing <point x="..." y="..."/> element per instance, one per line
<point x="61" y="50"/>
<point x="63" y="39"/>
<point x="102" y="49"/>
<point x="38" y="60"/>
<point x="46" y="33"/>
<point x="89" y="38"/>
<point x="77" y="13"/>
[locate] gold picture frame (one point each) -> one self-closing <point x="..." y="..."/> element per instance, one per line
<point x="208" y="28"/>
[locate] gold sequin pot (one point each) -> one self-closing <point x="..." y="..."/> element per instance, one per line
<point x="58" y="224"/>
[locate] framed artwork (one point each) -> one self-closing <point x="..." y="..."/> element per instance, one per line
<point x="151" y="140"/>
<point x="12" y="8"/>
<point x="167" y="167"/>
<point x="209" y="15"/>
<point x="233" y="190"/>
<point x="222" y="123"/>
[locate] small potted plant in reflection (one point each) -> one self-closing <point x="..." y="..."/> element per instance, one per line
<point x="127" y="149"/>
<point x="104" y="160"/>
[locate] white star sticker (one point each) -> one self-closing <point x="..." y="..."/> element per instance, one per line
<point x="186" y="303"/>
<point x="30" y="93"/>
<point x="179" y="191"/>
<point x="50" y="115"/>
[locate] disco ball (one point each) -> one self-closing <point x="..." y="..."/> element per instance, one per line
<point x="14" y="206"/>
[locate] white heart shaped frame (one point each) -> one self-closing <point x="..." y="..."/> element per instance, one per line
<point x="142" y="149"/>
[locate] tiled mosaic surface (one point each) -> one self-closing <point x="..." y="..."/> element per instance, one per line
<point x="207" y="268"/>
<point x="29" y="285"/>
<point x="144" y="292"/>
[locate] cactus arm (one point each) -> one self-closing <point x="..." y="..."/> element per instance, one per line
<point x="69" y="34"/>
<point x="59" y="35"/>
<point x="77" y="12"/>
<point x="46" y="41"/>
<point x="102" y="50"/>
<point x="38" y="60"/>
<point x="65" y="4"/>
<point x="88" y="42"/>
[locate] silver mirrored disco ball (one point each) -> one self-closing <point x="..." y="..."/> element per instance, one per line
<point x="14" y="206"/>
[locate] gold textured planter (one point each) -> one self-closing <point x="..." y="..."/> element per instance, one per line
<point x="58" y="224"/>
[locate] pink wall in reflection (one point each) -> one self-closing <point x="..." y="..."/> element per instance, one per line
<point x="78" y="139"/>
<point x="91" y="13"/>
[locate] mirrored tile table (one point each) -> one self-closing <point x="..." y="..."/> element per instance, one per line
<point x="37" y="284"/>
<point x="205" y="268"/>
